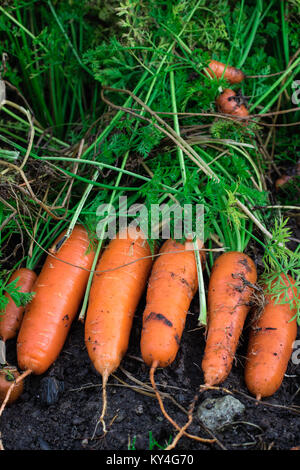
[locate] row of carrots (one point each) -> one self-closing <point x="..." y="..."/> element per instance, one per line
<point x="125" y="269"/>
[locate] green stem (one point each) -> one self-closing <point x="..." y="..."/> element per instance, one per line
<point x="74" y="51"/>
<point x="284" y="28"/>
<point x="176" y="127"/>
<point x="259" y="9"/>
<point x="80" y="205"/>
<point x="37" y="129"/>
<point x="202" y="319"/>
<point x="275" y="84"/>
<point x="99" y="246"/>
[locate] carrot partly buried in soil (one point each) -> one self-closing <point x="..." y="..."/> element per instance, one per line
<point x="58" y="292"/>
<point x="232" y="103"/>
<point x="117" y="287"/>
<point x="232" y="74"/>
<point x="229" y="293"/>
<point x="171" y="288"/>
<point x="271" y="344"/>
<point x="11" y="320"/>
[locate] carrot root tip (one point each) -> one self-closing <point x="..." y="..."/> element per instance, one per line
<point x="104" y="406"/>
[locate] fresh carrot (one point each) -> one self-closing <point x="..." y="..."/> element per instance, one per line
<point x="231" y="74"/>
<point x="229" y="102"/>
<point x="229" y="292"/>
<point x="271" y="343"/>
<point x="11" y="320"/>
<point x="8" y="375"/>
<point x="171" y="288"/>
<point x="116" y="289"/>
<point x="58" y="289"/>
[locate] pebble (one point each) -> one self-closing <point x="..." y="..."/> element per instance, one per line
<point x="215" y="412"/>
<point x="139" y="410"/>
<point x="43" y="444"/>
<point x="50" y="390"/>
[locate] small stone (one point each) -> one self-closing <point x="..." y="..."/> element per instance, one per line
<point x="139" y="410"/>
<point x="84" y="442"/>
<point x="215" y="412"/>
<point x="43" y="444"/>
<point x="50" y="390"/>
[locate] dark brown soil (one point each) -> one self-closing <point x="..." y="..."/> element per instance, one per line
<point x="134" y="419"/>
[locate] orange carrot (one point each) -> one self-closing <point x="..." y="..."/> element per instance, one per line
<point x="232" y="74"/>
<point x="229" y="293"/>
<point x="8" y="375"/>
<point x="116" y="289"/>
<point x="229" y="102"/>
<point x="172" y="285"/>
<point x="11" y="320"/>
<point x="271" y="343"/>
<point x="58" y="292"/>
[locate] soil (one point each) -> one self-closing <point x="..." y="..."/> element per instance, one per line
<point x="134" y="420"/>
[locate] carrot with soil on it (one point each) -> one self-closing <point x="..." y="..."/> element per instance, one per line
<point x="23" y="280"/>
<point x="231" y="74"/>
<point x="58" y="292"/>
<point x="117" y="286"/>
<point x="171" y="288"/>
<point x="58" y="289"/>
<point x="229" y="292"/>
<point x="232" y="103"/>
<point x="271" y="342"/>
<point x="172" y="285"/>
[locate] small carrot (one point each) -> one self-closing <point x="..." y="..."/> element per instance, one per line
<point x="11" y="320"/>
<point x="282" y="181"/>
<point x="171" y="288"/>
<point x="271" y="343"/>
<point x="229" y="293"/>
<point x="8" y="375"/>
<point x="116" y="289"/>
<point x="58" y="289"/>
<point x="232" y="74"/>
<point x="229" y="102"/>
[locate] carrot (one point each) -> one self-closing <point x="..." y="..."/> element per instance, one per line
<point x="229" y="292"/>
<point x="11" y="320"/>
<point x="229" y="102"/>
<point x="8" y="375"/>
<point x="282" y="181"/>
<point x="58" y="289"/>
<point x="115" y="292"/>
<point x="270" y="344"/>
<point x="232" y="74"/>
<point x="171" y="288"/>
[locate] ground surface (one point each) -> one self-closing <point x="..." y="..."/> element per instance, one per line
<point x="69" y="424"/>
